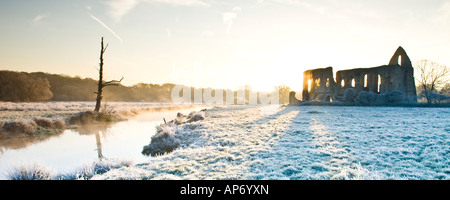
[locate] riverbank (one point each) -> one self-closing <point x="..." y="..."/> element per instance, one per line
<point x="49" y="118"/>
<point x="62" y="155"/>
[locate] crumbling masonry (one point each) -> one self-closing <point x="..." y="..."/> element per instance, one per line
<point x="319" y="84"/>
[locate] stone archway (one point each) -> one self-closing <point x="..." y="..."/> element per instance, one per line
<point x="400" y="53"/>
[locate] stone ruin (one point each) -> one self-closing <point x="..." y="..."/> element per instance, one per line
<point x="319" y="84"/>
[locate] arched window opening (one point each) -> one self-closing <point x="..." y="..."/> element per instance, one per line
<point x="328" y="82"/>
<point x="379" y="84"/>
<point x="353" y="82"/>
<point x="309" y="85"/>
<point x="400" y="60"/>
<point x="365" y="80"/>
<point x="318" y="82"/>
<point x="342" y="83"/>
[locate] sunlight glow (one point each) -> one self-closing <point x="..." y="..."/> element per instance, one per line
<point x="309" y="85"/>
<point x="365" y="80"/>
<point x="264" y="44"/>
<point x="379" y="84"/>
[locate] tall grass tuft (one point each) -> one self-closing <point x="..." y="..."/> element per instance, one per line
<point x="98" y="167"/>
<point x="59" y="124"/>
<point x="107" y="114"/>
<point x="44" y="122"/>
<point x="31" y="172"/>
<point x="18" y="127"/>
<point x="38" y="172"/>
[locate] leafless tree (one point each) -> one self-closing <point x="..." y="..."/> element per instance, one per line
<point x="283" y="92"/>
<point x="446" y="89"/>
<point x="101" y="83"/>
<point x="431" y="76"/>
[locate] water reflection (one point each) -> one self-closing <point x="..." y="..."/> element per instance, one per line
<point x="18" y="143"/>
<point x="97" y="130"/>
<point x="23" y="142"/>
<point x="71" y="149"/>
<point x="99" y="146"/>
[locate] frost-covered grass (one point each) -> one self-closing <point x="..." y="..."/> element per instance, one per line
<point x="24" y="119"/>
<point x="76" y="105"/>
<point x="35" y="126"/>
<point x="27" y="110"/>
<point x="165" y="140"/>
<point x="245" y="142"/>
<point x="30" y="172"/>
<point x="35" y="171"/>
<point x="87" y="171"/>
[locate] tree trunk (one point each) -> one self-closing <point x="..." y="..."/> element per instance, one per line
<point x="100" y="80"/>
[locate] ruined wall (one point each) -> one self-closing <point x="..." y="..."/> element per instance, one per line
<point x="319" y="84"/>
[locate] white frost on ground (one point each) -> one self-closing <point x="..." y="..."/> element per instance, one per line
<point x="76" y="105"/>
<point x="245" y="142"/>
<point x="62" y="109"/>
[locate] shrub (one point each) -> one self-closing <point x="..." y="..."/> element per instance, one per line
<point x="44" y="122"/>
<point x="433" y="96"/>
<point x="163" y="142"/>
<point x="59" y="124"/>
<point x="349" y="95"/>
<point x="381" y="100"/>
<point x="195" y="116"/>
<point x="394" y="96"/>
<point x="365" y="98"/>
<point x="1" y="125"/>
<point x="90" y="116"/>
<point x="19" y="127"/>
<point x="82" y="117"/>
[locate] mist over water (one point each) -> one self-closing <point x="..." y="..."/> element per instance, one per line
<point x="74" y="148"/>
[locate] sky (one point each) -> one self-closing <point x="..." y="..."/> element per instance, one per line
<point x="218" y="43"/>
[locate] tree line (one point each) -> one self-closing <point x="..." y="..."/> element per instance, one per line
<point x="40" y="86"/>
<point x="21" y="86"/>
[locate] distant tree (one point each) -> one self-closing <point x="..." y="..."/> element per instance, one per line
<point x="21" y="86"/>
<point x="65" y="88"/>
<point x="283" y="93"/>
<point x="101" y="83"/>
<point x="431" y="76"/>
<point x="446" y="89"/>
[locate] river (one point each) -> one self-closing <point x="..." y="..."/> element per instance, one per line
<point x="74" y="148"/>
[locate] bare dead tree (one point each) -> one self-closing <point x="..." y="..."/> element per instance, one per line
<point x="431" y="76"/>
<point x="101" y="83"/>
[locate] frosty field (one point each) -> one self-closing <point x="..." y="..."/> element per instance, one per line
<point x="20" y="111"/>
<point x="271" y="142"/>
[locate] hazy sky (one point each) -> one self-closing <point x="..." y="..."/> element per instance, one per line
<point x="218" y="43"/>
